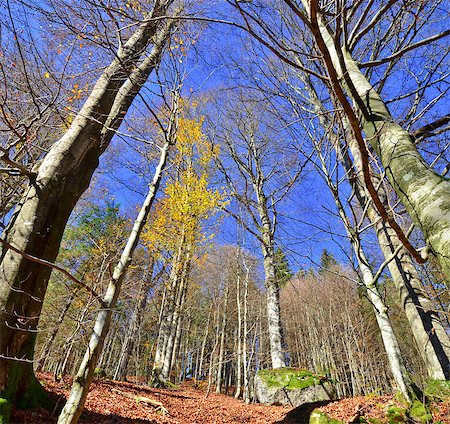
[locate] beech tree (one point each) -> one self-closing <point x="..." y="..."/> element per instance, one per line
<point x="340" y="33"/>
<point x="55" y="186"/>
<point x="431" y="339"/>
<point x="253" y="169"/>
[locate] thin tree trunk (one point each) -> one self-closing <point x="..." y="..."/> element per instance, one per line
<point x="432" y="341"/>
<point x="239" y="337"/>
<point x="245" y="361"/>
<point x="202" y="352"/>
<point x="179" y="293"/>
<point x="51" y="338"/>
<point x="222" y="340"/>
<point x="135" y="324"/>
<point x="390" y="342"/>
<point x="80" y="387"/>
<point x="168" y="308"/>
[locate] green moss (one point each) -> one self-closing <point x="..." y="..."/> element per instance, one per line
<point x="318" y="417"/>
<point x="363" y="420"/>
<point x="5" y="411"/>
<point x="418" y="412"/>
<point x="437" y="390"/>
<point x="290" y="378"/>
<point x="397" y="415"/>
<point x="99" y="373"/>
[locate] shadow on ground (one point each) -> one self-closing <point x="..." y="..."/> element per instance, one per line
<point x="301" y="414"/>
<point x="40" y="416"/>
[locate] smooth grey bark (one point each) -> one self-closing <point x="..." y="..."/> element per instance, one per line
<point x="39" y="220"/>
<point x="268" y="249"/>
<point x="167" y="309"/>
<point x="135" y="324"/>
<point x="171" y="312"/>
<point x="180" y="295"/>
<point x="239" y="337"/>
<point x="424" y="193"/>
<point x="246" y="362"/>
<point x="395" y="360"/>
<point x="199" y="371"/>
<point x="80" y="387"/>
<point x="431" y="338"/>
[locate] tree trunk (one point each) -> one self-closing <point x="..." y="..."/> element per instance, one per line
<point x="39" y="220"/>
<point x="198" y="372"/>
<point x="222" y="340"/>
<point x="431" y="338"/>
<point x="239" y="338"/>
<point x="51" y="338"/>
<point x="273" y="290"/>
<point x="245" y="362"/>
<point x="390" y="342"/>
<point x="135" y="325"/>
<point x="179" y="286"/>
<point x="167" y="309"/>
<point x="424" y="193"/>
<point x="80" y="387"/>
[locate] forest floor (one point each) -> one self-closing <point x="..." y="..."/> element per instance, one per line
<point x="117" y="402"/>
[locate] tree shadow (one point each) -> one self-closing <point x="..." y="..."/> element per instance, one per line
<point x="143" y="389"/>
<point x="301" y="414"/>
<point x="41" y="416"/>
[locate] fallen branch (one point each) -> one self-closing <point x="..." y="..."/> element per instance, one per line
<point x="158" y="405"/>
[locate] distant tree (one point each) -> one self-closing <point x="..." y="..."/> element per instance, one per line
<point x="283" y="271"/>
<point x="327" y="261"/>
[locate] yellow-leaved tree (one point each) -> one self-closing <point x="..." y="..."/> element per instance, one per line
<point x="180" y="227"/>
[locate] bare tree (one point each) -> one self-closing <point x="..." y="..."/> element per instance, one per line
<point x="341" y="33"/>
<point x="258" y="180"/>
<point x="39" y="220"/>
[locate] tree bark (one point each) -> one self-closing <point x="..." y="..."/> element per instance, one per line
<point x="431" y="338"/>
<point x="80" y="387"/>
<point x="273" y="290"/>
<point x="424" y="193"/>
<point x="222" y="340"/>
<point x="51" y="338"/>
<point x="39" y="220"/>
<point x="135" y="324"/>
<point x="390" y="342"/>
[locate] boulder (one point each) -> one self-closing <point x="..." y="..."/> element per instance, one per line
<point x="292" y="387"/>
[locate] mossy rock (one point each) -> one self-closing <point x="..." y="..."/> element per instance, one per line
<point x="318" y="417"/>
<point x="5" y="410"/>
<point x="418" y="412"/>
<point x="437" y="390"/>
<point x="396" y="414"/>
<point x="292" y="386"/>
<point x="289" y="378"/>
